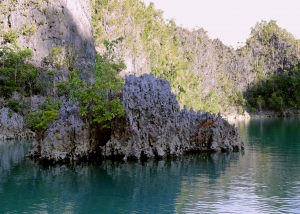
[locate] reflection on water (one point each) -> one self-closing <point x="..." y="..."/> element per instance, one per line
<point x="265" y="178"/>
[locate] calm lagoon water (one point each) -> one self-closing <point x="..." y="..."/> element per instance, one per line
<point x="264" y="178"/>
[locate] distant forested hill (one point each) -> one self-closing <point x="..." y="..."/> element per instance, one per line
<point x="204" y="73"/>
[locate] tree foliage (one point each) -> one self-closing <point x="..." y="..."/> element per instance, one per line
<point x="194" y="64"/>
<point x="277" y="92"/>
<point x="47" y="113"/>
<point x="98" y="100"/>
<point x="265" y="31"/>
<point x="16" y="73"/>
<point x="154" y="38"/>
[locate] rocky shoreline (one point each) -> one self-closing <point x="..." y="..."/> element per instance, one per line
<point x="263" y="114"/>
<point x="12" y="126"/>
<point x="153" y="127"/>
<point x="285" y="113"/>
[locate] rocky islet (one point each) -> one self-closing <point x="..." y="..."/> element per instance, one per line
<point x="153" y="127"/>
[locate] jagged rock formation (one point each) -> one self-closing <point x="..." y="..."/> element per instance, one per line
<point x="68" y="138"/>
<point x="12" y="126"/>
<point x="154" y="126"/>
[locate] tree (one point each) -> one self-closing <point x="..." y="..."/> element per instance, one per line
<point x="17" y="74"/>
<point x="98" y="100"/>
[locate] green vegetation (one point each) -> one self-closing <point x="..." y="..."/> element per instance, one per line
<point x="47" y="113"/>
<point x="204" y="73"/>
<point x="95" y="99"/>
<point x="258" y="70"/>
<point x="277" y="80"/>
<point x="29" y="30"/>
<point x="62" y="57"/>
<point x="153" y="37"/>
<point x="56" y="57"/>
<point x="278" y="92"/>
<point x="17" y="74"/>
<point x="211" y="102"/>
<point x="273" y="47"/>
<point x="10" y="36"/>
<point x="15" y="105"/>
<point x="265" y="31"/>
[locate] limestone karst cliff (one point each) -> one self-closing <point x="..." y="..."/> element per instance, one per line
<point x="222" y="74"/>
<point x="44" y="25"/>
<point x="153" y="127"/>
<point x="60" y="35"/>
<point x="64" y="37"/>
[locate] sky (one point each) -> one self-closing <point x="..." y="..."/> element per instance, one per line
<point x="231" y="20"/>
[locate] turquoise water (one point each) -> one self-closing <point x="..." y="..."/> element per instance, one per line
<point x="264" y="178"/>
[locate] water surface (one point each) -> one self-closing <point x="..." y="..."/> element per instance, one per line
<point x="264" y="178"/>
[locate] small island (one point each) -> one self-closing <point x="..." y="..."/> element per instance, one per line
<point x="153" y="126"/>
<point x="134" y="88"/>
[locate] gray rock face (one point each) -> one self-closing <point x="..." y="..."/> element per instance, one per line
<point x="12" y="126"/>
<point x="69" y="138"/>
<point x="36" y="101"/>
<point x="154" y="125"/>
<point x="43" y="25"/>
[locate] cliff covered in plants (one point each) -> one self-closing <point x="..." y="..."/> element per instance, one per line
<point x="49" y="63"/>
<point x="41" y="43"/>
<point x="204" y="73"/>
